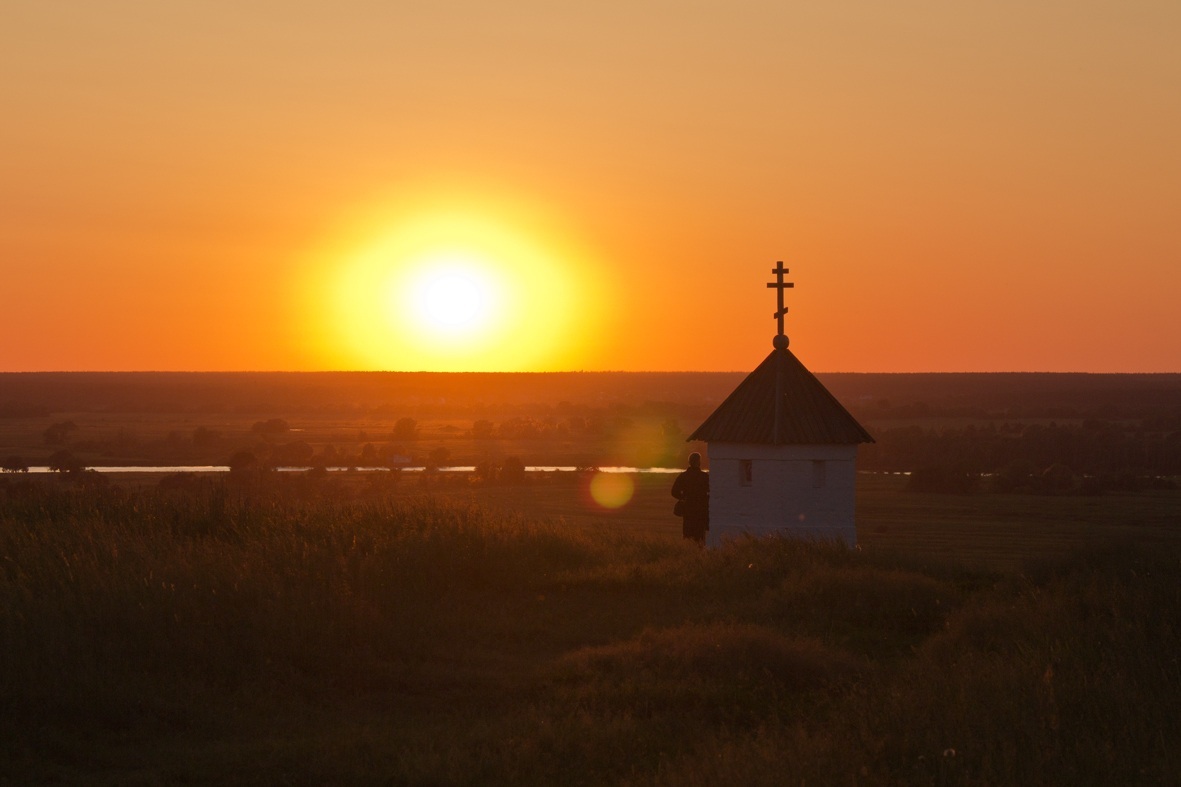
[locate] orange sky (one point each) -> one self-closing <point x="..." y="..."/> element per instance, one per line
<point x="211" y="185"/>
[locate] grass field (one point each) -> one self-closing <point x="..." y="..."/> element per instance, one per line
<point x="989" y="531"/>
<point x="434" y="634"/>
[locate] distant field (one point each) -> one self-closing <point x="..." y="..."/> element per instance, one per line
<point x="1104" y="423"/>
<point x="981" y="530"/>
<point x="1006" y="531"/>
<point x="603" y="419"/>
<point x="992" y="531"/>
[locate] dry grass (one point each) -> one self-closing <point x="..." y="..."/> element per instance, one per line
<point x="215" y="635"/>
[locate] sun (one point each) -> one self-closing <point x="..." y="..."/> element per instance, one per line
<point x="451" y="296"/>
<point x="452" y="291"/>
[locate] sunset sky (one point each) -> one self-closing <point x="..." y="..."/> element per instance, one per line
<point x="291" y="185"/>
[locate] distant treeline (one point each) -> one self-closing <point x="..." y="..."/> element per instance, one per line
<point x="870" y="397"/>
<point x="1008" y="395"/>
<point x="373" y="394"/>
<point x="1090" y="457"/>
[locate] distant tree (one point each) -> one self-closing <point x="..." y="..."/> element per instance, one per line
<point x="14" y="464"/>
<point x="329" y="455"/>
<point x="64" y="462"/>
<point x="437" y="457"/>
<point x="512" y="470"/>
<point x="405" y="429"/>
<point x="482" y="429"/>
<point x="368" y="456"/>
<point x="521" y="428"/>
<point x="59" y="432"/>
<point x="486" y="471"/>
<point x="271" y="426"/>
<point x="242" y="462"/>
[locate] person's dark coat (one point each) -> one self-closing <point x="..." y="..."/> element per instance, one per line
<point x="692" y="489"/>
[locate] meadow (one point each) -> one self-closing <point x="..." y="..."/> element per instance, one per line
<point x="303" y="630"/>
<point x="978" y="423"/>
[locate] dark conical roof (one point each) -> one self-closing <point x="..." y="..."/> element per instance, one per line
<point x="803" y="412"/>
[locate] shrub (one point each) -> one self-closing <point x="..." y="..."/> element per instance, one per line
<point x="405" y="429"/>
<point x="64" y="462"/>
<point x="272" y="426"/>
<point x="512" y="471"/>
<point x="242" y="462"/>
<point x="14" y="464"/>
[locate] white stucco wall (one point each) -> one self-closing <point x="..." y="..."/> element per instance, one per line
<point x="806" y="491"/>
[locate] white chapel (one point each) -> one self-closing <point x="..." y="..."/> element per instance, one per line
<point x="782" y="452"/>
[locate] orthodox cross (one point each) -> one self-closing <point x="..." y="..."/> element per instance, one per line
<point x="780" y="285"/>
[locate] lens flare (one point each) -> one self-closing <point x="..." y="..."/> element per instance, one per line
<point x="612" y="490"/>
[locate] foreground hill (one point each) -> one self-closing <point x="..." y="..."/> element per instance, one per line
<point x="214" y="636"/>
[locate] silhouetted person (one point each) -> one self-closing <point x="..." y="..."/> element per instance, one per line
<point x="692" y="490"/>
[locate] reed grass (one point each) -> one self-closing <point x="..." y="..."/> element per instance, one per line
<point x="222" y="635"/>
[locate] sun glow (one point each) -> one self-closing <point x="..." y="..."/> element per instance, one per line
<point x="451" y="292"/>
<point x="452" y="295"/>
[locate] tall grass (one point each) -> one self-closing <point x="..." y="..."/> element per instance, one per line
<point x="212" y="635"/>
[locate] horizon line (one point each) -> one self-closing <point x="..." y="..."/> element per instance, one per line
<point x="547" y="371"/>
